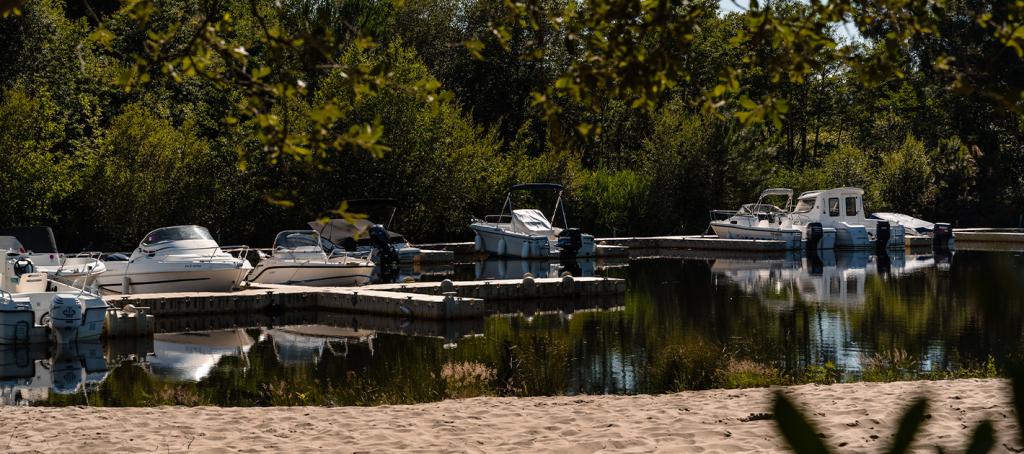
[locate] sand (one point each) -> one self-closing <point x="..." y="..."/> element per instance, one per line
<point x="855" y="417"/>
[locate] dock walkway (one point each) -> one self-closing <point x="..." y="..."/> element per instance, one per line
<point x="444" y="300"/>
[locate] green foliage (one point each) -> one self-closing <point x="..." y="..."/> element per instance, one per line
<point x="905" y="178"/>
<point x="823" y="375"/>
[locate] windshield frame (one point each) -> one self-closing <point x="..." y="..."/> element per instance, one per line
<point x="177" y="233"/>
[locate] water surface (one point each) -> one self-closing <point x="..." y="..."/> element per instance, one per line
<point x="685" y="322"/>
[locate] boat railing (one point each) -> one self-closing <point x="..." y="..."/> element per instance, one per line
<point x="95" y="256"/>
<point x="719" y="215"/>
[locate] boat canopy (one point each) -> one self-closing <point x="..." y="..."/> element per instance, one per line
<point x="307" y="240"/>
<point x="777" y="191"/>
<point x="38" y="239"/>
<point x="177" y="233"/>
<point x="537" y="187"/>
<point x="531" y="222"/>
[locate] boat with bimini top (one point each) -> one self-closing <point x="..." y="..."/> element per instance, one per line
<point x="528" y="233"/>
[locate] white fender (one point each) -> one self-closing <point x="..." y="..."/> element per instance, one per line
<point x="524" y="251"/>
<point x="478" y="243"/>
<point x="502" y="248"/>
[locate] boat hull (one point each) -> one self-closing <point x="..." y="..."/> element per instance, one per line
<point x="178" y="278"/>
<point x="317" y="275"/>
<point x="502" y="243"/>
<point x="728" y="230"/>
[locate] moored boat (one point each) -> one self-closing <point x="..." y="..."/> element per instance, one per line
<point x="760" y="221"/>
<point x="301" y="257"/>
<point x="528" y="233"/>
<point x="175" y="259"/>
<point x="842" y="209"/>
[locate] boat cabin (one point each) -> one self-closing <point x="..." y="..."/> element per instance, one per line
<point x="839" y="204"/>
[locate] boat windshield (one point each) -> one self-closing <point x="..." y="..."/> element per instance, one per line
<point x="186" y="232"/>
<point x="804" y="205"/>
<point x="759" y="208"/>
<point x="298" y="239"/>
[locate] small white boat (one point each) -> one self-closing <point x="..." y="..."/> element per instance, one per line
<point x="193" y="355"/>
<point x="31" y="312"/>
<point x="38" y="246"/>
<point x="354" y="235"/>
<point x="299" y="257"/>
<point x="175" y="259"/>
<point x="918" y="231"/>
<point x="842" y="209"/>
<point x="528" y="233"/>
<point x="760" y="221"/>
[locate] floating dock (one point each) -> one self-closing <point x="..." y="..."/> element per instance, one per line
<point x="983" y="235"/>
<point x="444" y="300"/>
<point x="695" y="242"/>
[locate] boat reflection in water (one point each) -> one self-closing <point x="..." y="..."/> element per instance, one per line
<point x="298" y="345"/>
<point x="836" y="281"/>
<point x="496" y="268"/>
<point x="29" y="373"/>
<point x="192" y="355"/>
<point x="828" y="277"/>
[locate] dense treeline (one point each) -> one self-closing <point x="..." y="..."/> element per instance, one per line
<point x="103" y="165"/>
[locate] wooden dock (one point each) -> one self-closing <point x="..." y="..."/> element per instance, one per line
<point x="468" y="249"/>
<point x="444" y="300"/>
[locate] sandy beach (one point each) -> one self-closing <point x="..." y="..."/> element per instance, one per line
<point x="852" y="418"/>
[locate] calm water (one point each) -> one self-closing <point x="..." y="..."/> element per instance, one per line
<point x="682" y="322"/>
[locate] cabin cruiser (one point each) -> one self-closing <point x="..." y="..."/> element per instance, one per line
<point x="33" y="309"/>
<point x="842" y="209"/>
<point x="175" y="259"/>
<point x="38" y="246"/>
<point x="302" y="257"/>
<point x="528" y="233"/>
<point x="760" y="221"/>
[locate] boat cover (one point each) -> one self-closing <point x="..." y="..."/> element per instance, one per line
<point x="531" y="222"/>
<point x="907" y="221"/>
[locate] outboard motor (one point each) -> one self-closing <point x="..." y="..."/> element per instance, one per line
<point x="570" y="241"/>
<point x="942" y="235"/>
<point x="65" y="318"/>
<point x="815" y="232"/>
<point x="882" y="235"/>
<point x="385" y="254"/>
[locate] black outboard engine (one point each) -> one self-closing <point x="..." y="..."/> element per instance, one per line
<point x="942" y="234"/>
<point x="882" y="235"/>
<point x="570" y="241"/>
<point x="386" y="255"/>
<point x="815" y="232"/>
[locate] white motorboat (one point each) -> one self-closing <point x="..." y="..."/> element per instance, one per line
<point x="305" y="344"/>
<point x="300" y="257"/>
<point x="38" y="246"/>
<point x="842" y="209"/>
<point x="175" y="259"/>
<point x="760" y="221"/>
<point x="528" y="233"/>
<point x="32" y="309"/>
<point x="354" y="235"/>
<point x="939" y="235"/>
